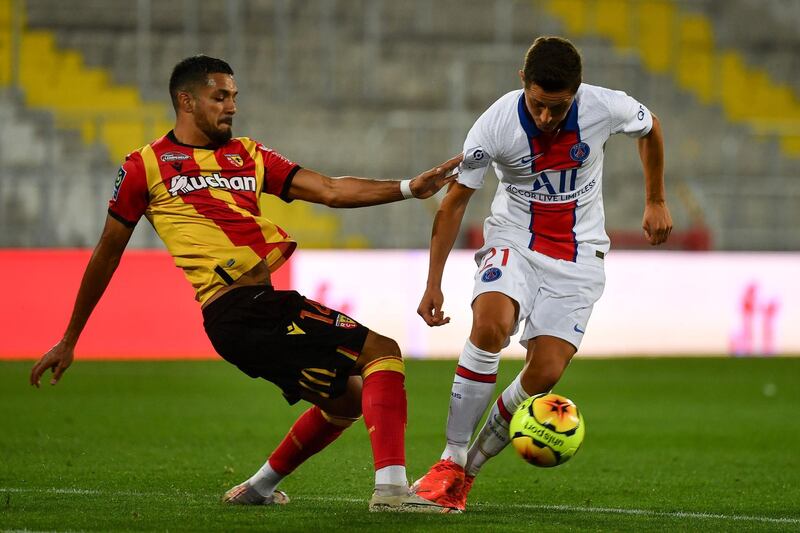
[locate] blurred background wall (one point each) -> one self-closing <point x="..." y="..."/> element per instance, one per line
<point x="390" y="88"/>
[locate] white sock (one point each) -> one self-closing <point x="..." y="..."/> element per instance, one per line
<point x="265" y="480"/>
<point x="391" y="480"/>
<point x="493" y="436"/>
<point x="473" y="387"/>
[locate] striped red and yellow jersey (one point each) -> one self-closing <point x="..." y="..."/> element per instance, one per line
<point x="203" y="203"/>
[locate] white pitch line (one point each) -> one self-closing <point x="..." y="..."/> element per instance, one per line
<point x="530" y="507"/>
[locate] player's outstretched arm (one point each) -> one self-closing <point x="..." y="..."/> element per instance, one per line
<point x="98" y="274"/>
<point x="348" y="191"/>
<point x="657" y="221"/>
<point x="445" y="230"/>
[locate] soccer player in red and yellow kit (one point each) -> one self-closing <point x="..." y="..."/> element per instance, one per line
<point x="199" y="187"/>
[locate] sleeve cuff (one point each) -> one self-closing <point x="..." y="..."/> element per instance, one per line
<point x="287" y="183"/>
<point x="123" y="221"/>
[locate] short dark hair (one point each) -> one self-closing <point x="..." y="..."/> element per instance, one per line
<point x="194" y="71"/>
<point x="554" y="64"/>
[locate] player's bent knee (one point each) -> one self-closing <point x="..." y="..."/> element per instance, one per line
<point x="377" y="346"/>
<point x="489" y="335"/>
<point x="379" y="353"/>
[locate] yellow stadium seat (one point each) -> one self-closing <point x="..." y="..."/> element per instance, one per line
<point x="655" y="34"/>
<point x="734" y="77"/>
<point x="5" y="42"/>
<point x="573" y="13"/>
<point x="612" y="19"/>
<point x="790" y="144"/>
<point x="84" y="98"/>
<point x="695" y="62"/>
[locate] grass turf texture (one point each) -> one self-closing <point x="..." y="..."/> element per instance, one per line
<point x="671" y="444"/>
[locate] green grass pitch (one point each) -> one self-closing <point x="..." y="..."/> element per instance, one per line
<point x="671" y="445"/>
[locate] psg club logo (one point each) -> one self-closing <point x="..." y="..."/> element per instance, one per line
<point x="579" y="152"/>
<point x="491" y="275"/>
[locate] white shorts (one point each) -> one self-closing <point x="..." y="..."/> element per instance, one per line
<point x="555" y="297"/>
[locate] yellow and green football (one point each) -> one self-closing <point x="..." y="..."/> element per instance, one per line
<point x="547" y="429"/>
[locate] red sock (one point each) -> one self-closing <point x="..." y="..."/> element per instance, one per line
<point x="383" y="402"/>
<point x="309" y="435"/>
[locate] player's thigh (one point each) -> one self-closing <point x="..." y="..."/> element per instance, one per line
<point x="564" y="303"/>
<point x="299" y="345"/>
<point x="503" y="290"/>
<point x="322" y="353"/>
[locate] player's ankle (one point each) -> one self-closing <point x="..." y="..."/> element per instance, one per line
<point x="455" y="455"/>
<point x="385" y="489"/>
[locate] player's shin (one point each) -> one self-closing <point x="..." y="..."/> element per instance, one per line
<point x="383" y="402"/>
<point x="493" y="436"/>
<point x="310" y="434"/>
<point x="473" y="387"/>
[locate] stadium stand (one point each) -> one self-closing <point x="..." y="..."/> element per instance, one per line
<point x="389" y="88"/>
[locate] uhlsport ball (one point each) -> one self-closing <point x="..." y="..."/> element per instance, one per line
<point x="547" y="429"/>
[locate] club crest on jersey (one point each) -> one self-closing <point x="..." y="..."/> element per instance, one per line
<point x="235" y="159"/>
<point x="345" y="322"/>
<point x="118" y="183"/>
<point x="186" y="184"/>
<point x="491" y="275"/>
<point x="579" y="152"/>
<point x="174" y="156"/>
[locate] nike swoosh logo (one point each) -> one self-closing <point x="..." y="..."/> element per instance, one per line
<point x="579" y="330"/>
<point x="527" y="159"/>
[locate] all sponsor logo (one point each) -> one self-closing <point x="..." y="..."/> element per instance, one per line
<point x="565" y="193"/>
<point x="235" y="159"/>
<point x="579" y="152"/>
<point x="186" y="184"/>
<point x="492" y="274"/>
<point x="121" y="173"/>
<point x="345" y="322"/>
<point x="174" y="156"/>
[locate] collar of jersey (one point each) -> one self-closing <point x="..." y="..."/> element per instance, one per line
<point x="526" y="120"/>
<point x="174" y="140"/>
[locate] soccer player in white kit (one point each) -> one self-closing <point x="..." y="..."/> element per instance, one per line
<point x="545" y="244"/>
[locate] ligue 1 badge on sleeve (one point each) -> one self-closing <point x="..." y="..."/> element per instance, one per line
<point x="118" y="183"/>
<point x="475" y="158"/>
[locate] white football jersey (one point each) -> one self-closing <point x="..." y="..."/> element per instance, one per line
<point x="549" y="197"/>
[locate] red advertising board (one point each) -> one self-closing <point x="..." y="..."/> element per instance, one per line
<point x="147" y="312"/>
